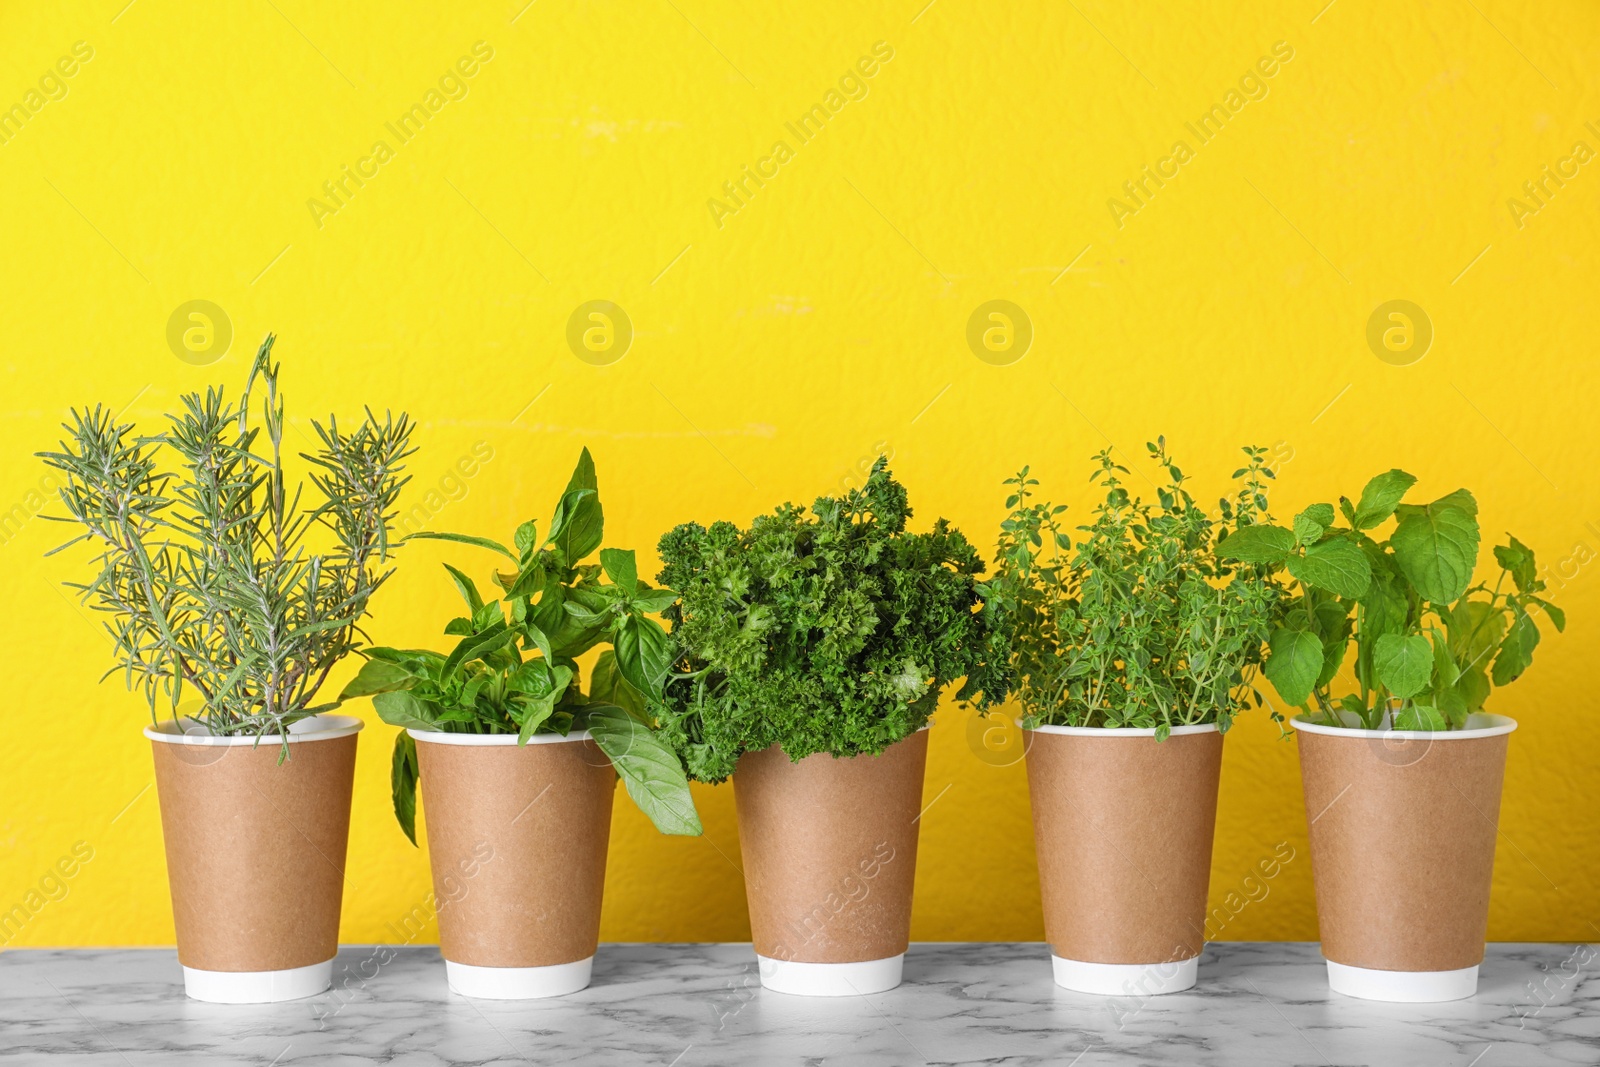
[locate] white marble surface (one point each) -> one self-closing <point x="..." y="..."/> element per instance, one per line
<point x="687" y="1005"/>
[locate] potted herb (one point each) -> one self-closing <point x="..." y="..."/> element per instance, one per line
<point x="810" y="652"/>
<point x="517" y="766"/>
<point x="1133" y="647"/>
<point x="230" y="600"/>
<point x="1402" y="773"/>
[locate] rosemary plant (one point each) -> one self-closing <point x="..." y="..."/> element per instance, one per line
<point x="215" y="577"/>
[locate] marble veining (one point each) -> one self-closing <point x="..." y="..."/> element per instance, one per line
<point x="690" y="1005"/>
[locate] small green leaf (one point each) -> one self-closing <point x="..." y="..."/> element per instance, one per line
<point x="1517" y="558"/>
<point x="464" y="539"/>
<point x="1437" y="548"/>
<point x="1307" y="529"/>
<point x="526" y="539"/>
<point x="403" y="783"/>
<point x="1380" y="497"/>
<point x="1257" y="544"/>
<point x="1295" y="662"/>
<point x="608" y="686"/>
<point x="464" y="586"/>
<point x="1419" y="717"/>
<point x="651" y="772"/>
<point x="379" y="676"/>
<point x="536" y="711"/>
<point x="540" y="641"/>
<point x="1403" y="664"/>
<point x="1321" y="514"/>
<point x="642" y="653"/>
<point x="402" y="708"/>
<point x="621" y="567"/>
<point x="1558" y="617"/>
<point x="1335" y="565"/>
<point x="654" y="600"/>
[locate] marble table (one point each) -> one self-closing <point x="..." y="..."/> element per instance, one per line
<point x="688" y="1005"/>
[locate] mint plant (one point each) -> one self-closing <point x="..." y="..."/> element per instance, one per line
<point x="1429" y="643"/>
<point x="515" y="671"/>
<point x="829" y="632"/>
<point x="1136" y="622"/>
<point x="219" y="581"/>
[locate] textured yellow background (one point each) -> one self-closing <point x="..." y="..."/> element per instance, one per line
<point x="825" y="319"/>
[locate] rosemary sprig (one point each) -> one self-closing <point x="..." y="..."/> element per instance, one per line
<point x="214" y="576"/>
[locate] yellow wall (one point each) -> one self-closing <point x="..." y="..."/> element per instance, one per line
<point x="778" y="346"/>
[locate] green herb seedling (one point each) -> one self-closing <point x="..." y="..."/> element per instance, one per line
<point x="829" y="632"/>
<point x="216" y="578"/>
<point x="514" y="669"/>
<point x="1429" y="644"/>
<point x="1138" y="623"/>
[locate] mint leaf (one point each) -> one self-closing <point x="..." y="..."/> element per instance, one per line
<point x="1335" y="565"/>
<point x="1307" y="529"/>
<point x="1420" y="717"/>
<point x="1437" y="548"/>
<point x="1380" y="497"/>
<point x="1257" y="544"/>
<point x="1295" y="662"/>
<point x="1403" y="664"/>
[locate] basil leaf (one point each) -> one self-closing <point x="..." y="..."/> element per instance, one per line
<point x="651" y="772"/>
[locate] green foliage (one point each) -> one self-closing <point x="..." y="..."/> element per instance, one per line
<point x="1427" y="641"/>
<point x="216" y="577"/>
<point x="515" y="671"/>
<point x="1140" y="623"/>
<point x="833" y="632"/>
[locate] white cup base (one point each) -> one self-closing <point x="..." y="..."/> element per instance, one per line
<point x="257" y="987"/>
<point x="1402" y="987"/>
<point x="1125" y="979"/>
<point x="518" y="983"/>
<point x="830" y="979"/>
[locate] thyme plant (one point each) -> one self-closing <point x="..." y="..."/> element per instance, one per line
<point x="216" y="578"/>
<point x="1139" y="623"/>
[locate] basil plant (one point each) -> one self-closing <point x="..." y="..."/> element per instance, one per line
<point x="514" y="668"/>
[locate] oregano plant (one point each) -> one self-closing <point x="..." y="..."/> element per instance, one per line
<point x="219" y="579"/>
<point x="1429" y="643"/>
<point x="514" y="669"/>
<point x="1136" y="621"/>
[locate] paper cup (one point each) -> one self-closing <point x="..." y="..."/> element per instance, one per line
<point x="517" y="838"/>
<point x="1403" y="827"/>
<point x="1122" y="826"/>
<point x="830" y="855"/>
<point x="256" y="854"/>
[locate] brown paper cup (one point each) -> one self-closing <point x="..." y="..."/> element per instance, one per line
<point x="830" y="855"/>
<point x="256" y="854"/>
<point x="1123" y="825"/>
<point x="1403" y="829"/>
<point x="517" y="838"/>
